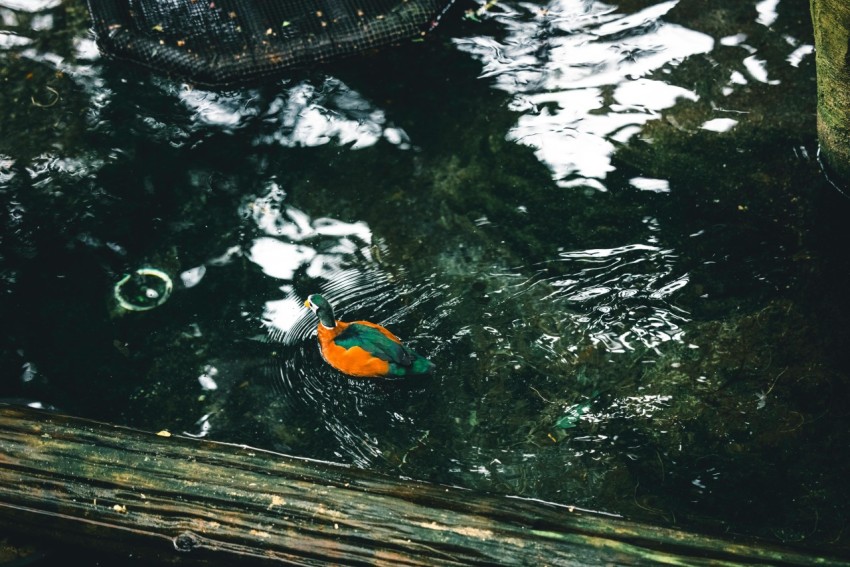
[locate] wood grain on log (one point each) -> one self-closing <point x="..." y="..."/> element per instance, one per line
<point x="174" y="499"/>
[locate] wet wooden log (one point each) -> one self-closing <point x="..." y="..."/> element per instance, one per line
<point x="174" y="499"/>
<point x="831" y="21"/>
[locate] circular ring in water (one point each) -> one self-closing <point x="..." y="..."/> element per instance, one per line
<point x="144" y="289"/>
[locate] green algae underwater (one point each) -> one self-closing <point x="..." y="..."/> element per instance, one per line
<point x="605" y="223"/>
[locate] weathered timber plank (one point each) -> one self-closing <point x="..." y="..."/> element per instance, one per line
<point x="831" y="23"/>
<point x="176" y="499"/>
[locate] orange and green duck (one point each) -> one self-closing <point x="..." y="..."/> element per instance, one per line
<point x="361" y="348"/>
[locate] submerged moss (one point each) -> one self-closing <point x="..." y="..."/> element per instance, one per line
<point x="44" y="109"/>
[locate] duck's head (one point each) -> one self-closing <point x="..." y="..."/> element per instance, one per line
<point x="322" y="308"/>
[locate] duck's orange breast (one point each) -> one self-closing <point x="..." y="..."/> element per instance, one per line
<point x="355" y="360"/>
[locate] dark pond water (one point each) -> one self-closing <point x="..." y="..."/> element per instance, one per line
<point x="604" y="221"/>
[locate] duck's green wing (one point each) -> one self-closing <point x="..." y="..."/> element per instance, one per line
<point x="372" y="339"/>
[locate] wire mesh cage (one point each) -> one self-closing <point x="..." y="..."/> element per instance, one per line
<point x="227" y="42"/>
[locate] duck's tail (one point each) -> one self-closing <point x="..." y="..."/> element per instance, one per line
<point x="415" y="364"/>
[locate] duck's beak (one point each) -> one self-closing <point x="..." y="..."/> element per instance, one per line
<point x="308" y="304"/>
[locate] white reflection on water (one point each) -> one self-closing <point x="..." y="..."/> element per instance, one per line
<point x="31" y="6"/>
<point x="796" y="56"/>
<point x="9" y="40"/>
<point x="280" y="259"/>
<point x="302" y="115"/>
<point x="578" y="72"/>
<point x="650" y="184"/>
<point x="757" y="68"/>
<point x="321" y="249"/>
<point x="767" y="14"/>
<point x="719" y="124"/>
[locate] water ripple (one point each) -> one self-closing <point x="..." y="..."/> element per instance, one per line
<point x="341" y="260"/>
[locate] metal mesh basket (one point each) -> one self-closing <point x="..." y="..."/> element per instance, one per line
<point x="226" y="42"/>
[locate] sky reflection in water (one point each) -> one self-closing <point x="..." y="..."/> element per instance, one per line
<point x="578" y="71"/>
<point x="304" y="115"/>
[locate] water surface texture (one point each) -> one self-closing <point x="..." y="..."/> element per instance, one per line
<point x="604" y="222"/>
